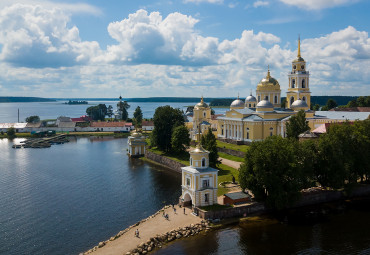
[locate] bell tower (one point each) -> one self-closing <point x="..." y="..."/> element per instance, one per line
<point x="299" y="86"/>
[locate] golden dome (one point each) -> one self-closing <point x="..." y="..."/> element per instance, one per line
<point x="199" y="150"/>
<point x="269" y="81"/>
<point x="202" y="104"/>
<point x="136" y="134"/>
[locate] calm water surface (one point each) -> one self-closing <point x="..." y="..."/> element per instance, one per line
<point x="67" y="198"/>
<point x="52" y="110"/>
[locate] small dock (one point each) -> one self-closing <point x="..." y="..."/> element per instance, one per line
<point x="42" y="142"/>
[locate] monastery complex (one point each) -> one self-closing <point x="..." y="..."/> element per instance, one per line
<point x="262" y="116"/>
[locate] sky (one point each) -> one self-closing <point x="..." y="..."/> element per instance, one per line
<point x="184" y="48"/>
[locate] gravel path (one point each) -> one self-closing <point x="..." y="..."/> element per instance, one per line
<point x="231" y="163"/>
<point x="155" y="226"/>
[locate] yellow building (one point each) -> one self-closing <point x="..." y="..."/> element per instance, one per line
<point x="136" y="145"/>
<point x="256" y="119"/>
<point x="201" y="119"/>
<point x="299" y="86"/>
<point x="269" y="89"/>
<point x="199" y="181"/>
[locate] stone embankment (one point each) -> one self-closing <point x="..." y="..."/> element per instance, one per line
<point x="171" y="164"/>
<point x="159" y="240"/>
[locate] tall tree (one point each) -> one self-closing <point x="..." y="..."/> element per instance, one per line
<point x="271" y="171"/>
<point x="180" y="139"/>
<point x="165" y="120"/>
<point x="10" y="133"/>
<point x="110" y="111"/>
<point x="209" y="143"/>
<point x="33" y="119"/>
<point x="296" y="125"/>
<point x="138" y="117"/>
<point x="330" y="104"/>
<point x="122" y="107"/>
<point x="97" y="112"/>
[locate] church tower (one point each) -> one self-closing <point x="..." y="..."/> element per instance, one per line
<point x="299" y="86"/>
<point x="199" y="180"/>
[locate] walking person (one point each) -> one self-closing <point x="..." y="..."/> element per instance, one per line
<point x="184" y="210"/>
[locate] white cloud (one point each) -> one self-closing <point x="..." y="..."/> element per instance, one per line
<point x="317" y="4"/>
<point x="67" y="7"/>
<point x="204" y="1"/>
<point x="166" y="56"/>
<point x="33" y="36"/>
<point x="260" y="4"/>
<point x="148" y="38"/>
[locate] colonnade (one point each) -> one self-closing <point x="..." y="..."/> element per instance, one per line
<point x="234" y="131"/>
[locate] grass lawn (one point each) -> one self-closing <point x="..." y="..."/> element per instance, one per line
<point x="225" y="174"/>
<point x="234" y="147"/>
<point x="182" y="158"/>
<point x="233" y="158"/>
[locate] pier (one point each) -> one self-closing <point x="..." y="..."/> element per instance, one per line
<point x="42" y="142"/>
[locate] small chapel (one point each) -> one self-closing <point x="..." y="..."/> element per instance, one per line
<point x="199" y="181"/>
<point x="136" y="145"/>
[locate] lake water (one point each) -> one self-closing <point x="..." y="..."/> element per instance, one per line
<point x="52" y="110"/>
<point x="67" y="198"/>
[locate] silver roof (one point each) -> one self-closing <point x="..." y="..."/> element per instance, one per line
<point x="264" y="104"/>
<point x="299" y="103"/>
<point x="343" y="115"/>
<point x="237" y="103"/>
<point x="250" y="99"/>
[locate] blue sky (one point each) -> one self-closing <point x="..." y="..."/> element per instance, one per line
<point x="144" y="48"/>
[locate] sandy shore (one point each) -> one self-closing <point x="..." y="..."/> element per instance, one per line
<point x="154" y="226"/>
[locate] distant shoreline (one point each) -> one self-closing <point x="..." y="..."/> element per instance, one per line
<point x="25" y="99"/>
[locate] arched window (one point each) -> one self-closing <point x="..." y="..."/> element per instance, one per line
<point x="304" y="98"/>
<point x="259" y="98"/>
<point x="275" y="101"/>
<point x="191" y="161"/>
<point x="204" y="114"/>
<point x="250" y="105"/>
<point x="203" y="162"/>
<point x="247" y="133"/>
<point x="303" y="84"/>
<point x="291" y="101"/>
<point x="271" y="130"/>
<point x="293" y="83"/>
<point x="267" y="98"/>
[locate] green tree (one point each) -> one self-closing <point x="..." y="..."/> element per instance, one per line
<point x="343" y="154"/>
<point x="33" y="119"/>
<point x="283" y="103"/>
<point x="110" y="111"/>
<point x="97" y="112"/>
<point x="272" y="172"/>
<point x="297" y="125"/>
<point x="209" y="143"/>
<point x="316" y="107"/>
<point x="138" y="117"/>
<point x="11" y="133"/>
<point x="122" y="107"/>
<point x="330" y="104"/>
<point x="165" y="120"/>
<point x="180" y="139"/>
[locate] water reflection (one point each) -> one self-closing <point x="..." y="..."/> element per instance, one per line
<point x="78" y="193"/>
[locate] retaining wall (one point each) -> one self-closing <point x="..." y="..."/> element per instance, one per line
<point x="171" y="164"/>
<point x="240" y="211"/>
<point x="240" y="154"/>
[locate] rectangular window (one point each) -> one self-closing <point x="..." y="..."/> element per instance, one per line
<point x="187" y="181"/>
<point x="206" y="198"/>
<point x="205" y="183"/>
